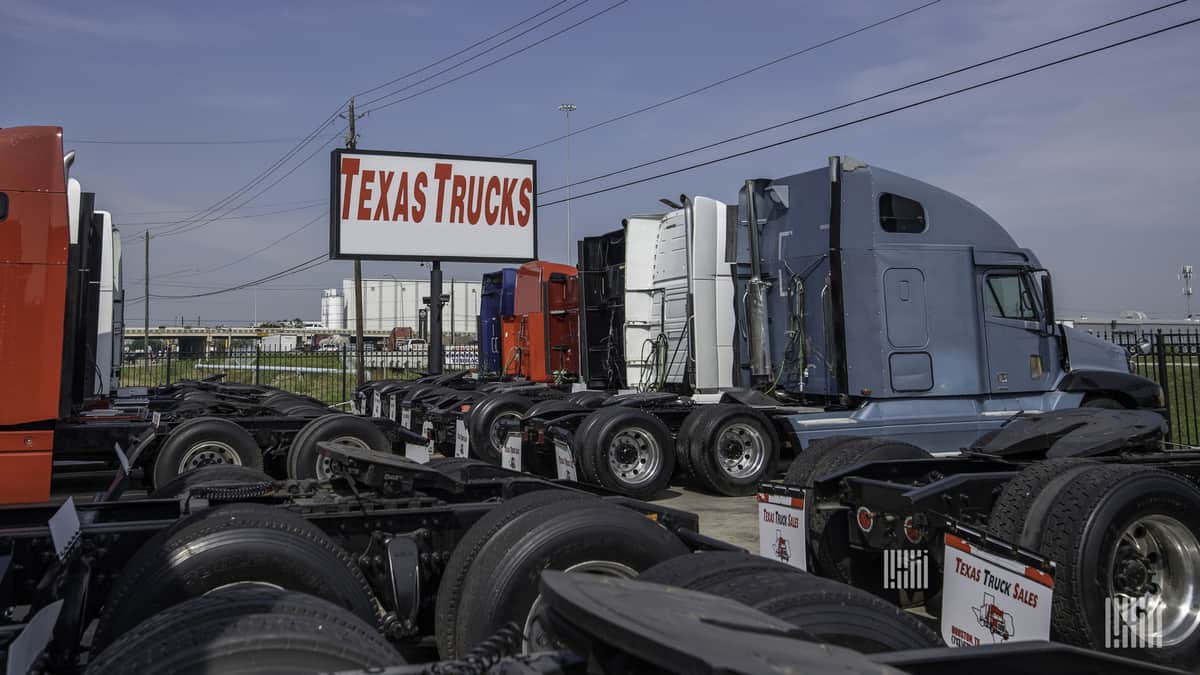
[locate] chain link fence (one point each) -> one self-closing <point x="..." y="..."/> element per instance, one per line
<point x="326" y="374"/>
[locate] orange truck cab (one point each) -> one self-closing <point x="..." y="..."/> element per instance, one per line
<point x="54" y="361"/>
<point x="540" y="341"/>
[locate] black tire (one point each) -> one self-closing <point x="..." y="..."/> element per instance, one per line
<point x="800" y="472"/>
<point x="450" y="589"/>
<point x="833" y="612"/>
<point x="483" y="419"/>
<point x="828" y="533"/>
<point x="305" y="409"/>
<point x="588" y="399"/>
<point x="204" y="440"/>
<point x="304" y="459"/>
<point x="1093" y="401"/>
<point x="626" y="450"/>
<point x="725" y="434"/>
<point x="301" y="434"/>
<point x="683" y="458"/>
<point x="1007" y="517"/>
<point x="1082" y="532"/>
<point x="211" y="475"/>
<point x="232" y="544"/>
<point x="247" y="630"/>
<point x="501" y="584"/>
<point x="696" y="570"/>
<point x="552" y="405"/>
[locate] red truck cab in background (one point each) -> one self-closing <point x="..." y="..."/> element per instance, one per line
<point x="34" y="249"/>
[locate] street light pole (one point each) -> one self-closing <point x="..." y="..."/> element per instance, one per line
<point x="568" y="108"/>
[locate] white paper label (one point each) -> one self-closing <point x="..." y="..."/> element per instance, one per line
<point x="462" y="439"/>
<point x="389" y="407"/>
<point x="417" y="453"/>
<point x="781" y="529"/>
<point x="565" y="460"/>
<point x="988" y="599"/>
<point x="510" y="456"/>
<point x="156" y="419"/>
<point x="356" y="406"/>
<point x="378" y="407"/>
<point x="406" y="417"/>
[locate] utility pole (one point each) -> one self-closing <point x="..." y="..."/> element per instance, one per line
<point x="568" y="108"/>
<point x="146" y="303"/>
<point x="352" y="144"/>
<point x="1185" y="273"/>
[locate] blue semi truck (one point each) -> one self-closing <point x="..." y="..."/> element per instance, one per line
<point x="849" y="300"/>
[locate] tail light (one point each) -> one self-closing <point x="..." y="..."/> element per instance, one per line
<point x="865" y="519"/>
<point x="912" y="532"/>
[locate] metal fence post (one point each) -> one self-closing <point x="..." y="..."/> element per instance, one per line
<point x="257" y="361"/>
<point x="1160" y="352"/>
<point x="345" y="394"/>
<point x="168" y="365"/>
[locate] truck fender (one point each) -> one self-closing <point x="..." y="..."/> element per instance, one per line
<point x="1132" y="390"/>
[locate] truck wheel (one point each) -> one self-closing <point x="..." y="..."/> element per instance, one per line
<point x="628" y="451"/>
<point x="683" y="458"/>
<point x="732" y="448"/>
<point x="247" y="630"/>
<point x="832" y="612"/>
<point x="588" y="399"/>
<point x="227" y="546"/>
<point x="1102" y="402"/>
<point x="211" y="475"/>
<point x="552" y="405"/>
<point x="585" y="536"/>
<point x="305" y="460"/>
<point x="800" y="472"/>
<point x="1008" y="513"/>
<point x="450" y="589"/>
<point x="1130" y="533"/>
<point x="699" y="569"/>
<point x="484" y="423"/>
<point x="828" y="531"/>
<point x="204" y="441"/>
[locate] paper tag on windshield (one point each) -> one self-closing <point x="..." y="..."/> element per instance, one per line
<point x="156" y="419"/>
<point x="510" y="455"/>
<point x="462" y="439"/>
<point x="781" y="527"/>
<point x="427" y="429"/>
<point x="989" y="599"/>
<point x="565" y="460"/>
<point x="406" y="417"/>
<point x="378" y="407"/>
<point x="417" y="453"/>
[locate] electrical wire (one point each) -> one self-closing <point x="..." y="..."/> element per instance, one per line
<point x="308" y="205"/>
<point x="489" y="64"/>
<point x="309" y="264"/>
<point x="427" y="78"/>
<point x="246" y="141"/>
<point x="253" y="253"/>
<point x="864" y="99"/>
<point x="727" y="79"/>
<point x="878" y="115"/>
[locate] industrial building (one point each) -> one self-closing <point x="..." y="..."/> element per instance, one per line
<point x="400" y="303"/>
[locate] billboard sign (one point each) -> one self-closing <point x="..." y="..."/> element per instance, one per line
<point x="411" y="206"/>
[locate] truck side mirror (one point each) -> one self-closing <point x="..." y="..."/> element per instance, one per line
<point x="1048" y="301"/>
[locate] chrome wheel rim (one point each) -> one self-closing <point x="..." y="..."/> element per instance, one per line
<point x="325" y="465"/>
<point x="741" y="451"/>
<point x="1155" y="573"/>
<point x="208" y="453"/>
<point x="496" y="433"/>
<point x="537" y="637"/>
<point x="634" y="456"/>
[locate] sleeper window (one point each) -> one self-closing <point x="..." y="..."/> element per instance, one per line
<point x="900" y="215"/>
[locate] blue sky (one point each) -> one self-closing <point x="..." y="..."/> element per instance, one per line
<point x="1094" y="164"/>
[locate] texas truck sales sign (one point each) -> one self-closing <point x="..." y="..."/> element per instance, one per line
<point x="407" y="206"/>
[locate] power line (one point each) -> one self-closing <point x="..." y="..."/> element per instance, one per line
<point x="251" y="254"/>
<point x="950" y="73"/>
<point x="729" y="78"/>
<point x="194" y="210"/>
<point x="489" y="64"/>
<point x="308" y="205"/>
<point x="879" y="114"/>
<point x="247" y="141"/>
<point x="464" y="50"/>
<point x="311" y="263"/>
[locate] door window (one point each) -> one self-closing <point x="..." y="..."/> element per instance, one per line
<point x="1008" y="296"/>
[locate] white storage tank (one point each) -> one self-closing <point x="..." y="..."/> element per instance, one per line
<point x="333" y="309"/>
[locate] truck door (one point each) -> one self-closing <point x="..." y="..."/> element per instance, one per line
<point x="1020" y="354"/>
